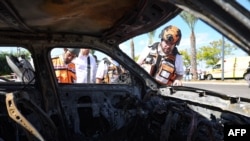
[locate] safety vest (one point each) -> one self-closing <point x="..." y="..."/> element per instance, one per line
<point x="113" y="71"/>
<point x="162" y="68"/>
<point x="65" y="73"/>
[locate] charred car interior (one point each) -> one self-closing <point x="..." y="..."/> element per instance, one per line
<point x="37" y="107"/>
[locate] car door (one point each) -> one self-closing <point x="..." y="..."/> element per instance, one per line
<point x="91" y="108"/>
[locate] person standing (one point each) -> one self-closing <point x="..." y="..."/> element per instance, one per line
<point x="64" y="68"/>
<point x="85" y="67"/>
<point x="247" y="75"/>
<point x="187" y="74"/>
<point x="162" y="60"/>
<point x="108" y="71"/>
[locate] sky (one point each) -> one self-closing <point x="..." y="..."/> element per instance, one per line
<point x="204" y="35"/>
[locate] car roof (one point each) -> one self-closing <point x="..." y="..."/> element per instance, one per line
<point x="117" y="21"/>
<point x="109" y="19"/>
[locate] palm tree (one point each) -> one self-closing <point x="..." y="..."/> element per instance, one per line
<point x="132" y="47"/>
<point x="151" y="37"/>
<point x="191" y="21"/>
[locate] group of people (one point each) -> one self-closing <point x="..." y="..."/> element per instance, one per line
<point x="162" y="60"/>
<point x="80" y="66"/>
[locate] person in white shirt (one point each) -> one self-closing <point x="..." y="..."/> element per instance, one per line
<point x="108" y="71"/>
<point x="162" y="60"/>
<point x="85" y="65"/>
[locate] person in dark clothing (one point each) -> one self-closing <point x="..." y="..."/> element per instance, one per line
<point x="247" y="75"/>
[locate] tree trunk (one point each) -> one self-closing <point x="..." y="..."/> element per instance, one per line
<point x="132" y="47"/>
<point x="193" y="56"/>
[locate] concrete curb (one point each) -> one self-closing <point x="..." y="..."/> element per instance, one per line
<point x="217" y="82"/>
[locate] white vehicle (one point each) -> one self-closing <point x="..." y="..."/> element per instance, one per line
<point x="234" y="67"/>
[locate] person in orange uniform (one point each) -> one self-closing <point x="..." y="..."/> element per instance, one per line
<point x="64" y="67"/>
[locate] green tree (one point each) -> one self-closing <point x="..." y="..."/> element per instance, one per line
<point x="191" y="21"/>
<point x="136" y="58"/>
<point x="186" y="58"/>
<point x="5" y="69"/>
<point x="211" y="54"/>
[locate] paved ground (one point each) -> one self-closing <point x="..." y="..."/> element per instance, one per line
<point x="228" y="87"/>
<point x="227" y="81"/>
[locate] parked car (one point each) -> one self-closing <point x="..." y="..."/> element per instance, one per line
<point x="40" y="108"/>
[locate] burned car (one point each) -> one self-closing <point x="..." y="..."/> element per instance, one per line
<point x="38" y="107"/>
